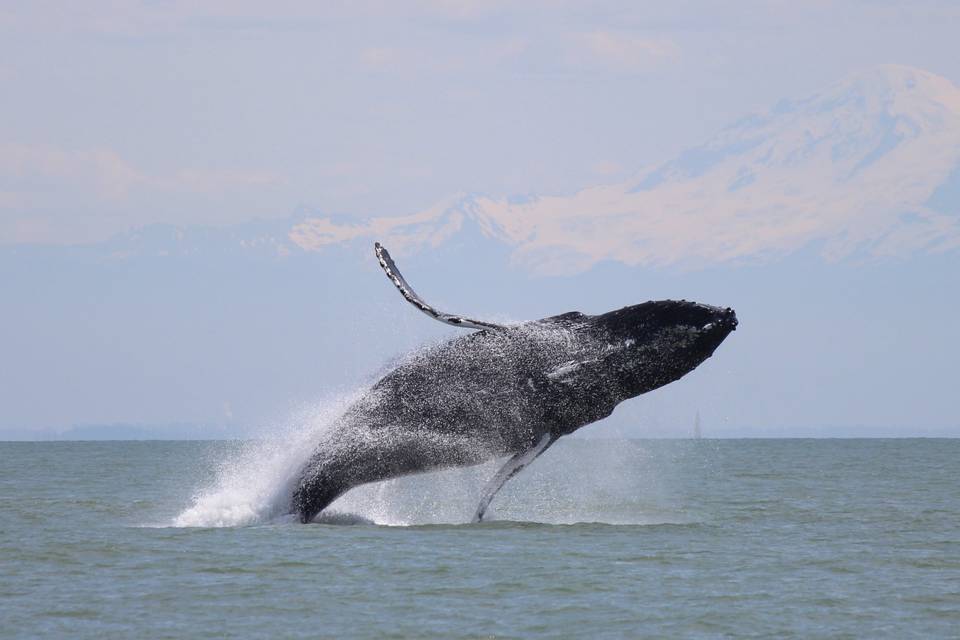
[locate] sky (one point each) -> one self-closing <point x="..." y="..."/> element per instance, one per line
<point x="596" y="146"/>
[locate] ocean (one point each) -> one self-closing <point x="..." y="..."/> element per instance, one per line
<point x="598" y="538"/>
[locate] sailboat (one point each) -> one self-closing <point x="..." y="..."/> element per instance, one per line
<point x="697" y="433"/>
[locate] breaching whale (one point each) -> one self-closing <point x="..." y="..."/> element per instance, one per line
<point x="503" y="390"/>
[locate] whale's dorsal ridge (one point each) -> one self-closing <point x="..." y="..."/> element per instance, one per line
<point x="393" y="273"/>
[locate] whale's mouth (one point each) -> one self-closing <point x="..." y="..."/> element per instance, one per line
<point x="730" y="321"/>
<point x="726" y="320"/>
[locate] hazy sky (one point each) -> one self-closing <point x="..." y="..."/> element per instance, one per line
<point x="117" y="115"/>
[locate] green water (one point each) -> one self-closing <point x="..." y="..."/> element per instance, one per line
<point x="750" y="538"/>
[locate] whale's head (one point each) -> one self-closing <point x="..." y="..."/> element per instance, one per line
<point x="652" y="344"/>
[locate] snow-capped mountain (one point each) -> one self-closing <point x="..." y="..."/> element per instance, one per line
<point x="867" y="167"/>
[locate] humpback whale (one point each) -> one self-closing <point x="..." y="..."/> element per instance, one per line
<point x="503" y="390"/>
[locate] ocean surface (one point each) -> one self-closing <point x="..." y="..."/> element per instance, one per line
<point x="598" y="538"/>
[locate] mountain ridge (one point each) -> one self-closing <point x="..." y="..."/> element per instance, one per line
<point x="867" y="167"/>
<point x="851" y="167"/>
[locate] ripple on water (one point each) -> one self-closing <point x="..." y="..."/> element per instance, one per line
<point x="694" y="559"/>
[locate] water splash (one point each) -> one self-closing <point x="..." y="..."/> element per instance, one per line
<point x="449" y="415"/>
<point x="604" y="481"/>
<point x="612" y="482"/>
<point x="253" y="485"/>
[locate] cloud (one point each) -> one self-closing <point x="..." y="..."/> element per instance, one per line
<point x="38" y="182"/>
<point x="34" y="168"/>
<point x="459" y="55"/>
<point x="623" y="51"/>
<point x="217" y="181"/>
<point x="146" y="19"/>
<point x="406" y="59"/>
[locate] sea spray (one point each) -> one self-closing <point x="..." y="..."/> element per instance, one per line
<point x="605" y="481"/>
<point x="620" y="482"/>
<point x="253" y="485"/>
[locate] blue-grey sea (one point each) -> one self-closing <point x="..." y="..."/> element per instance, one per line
<point x="598" y="539"/>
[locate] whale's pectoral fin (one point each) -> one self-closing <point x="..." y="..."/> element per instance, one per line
<point x="513" y="466"/>
<point x="390" y="268"/>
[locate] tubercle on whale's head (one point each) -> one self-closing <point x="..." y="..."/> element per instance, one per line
<point x="657" y="342"/>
